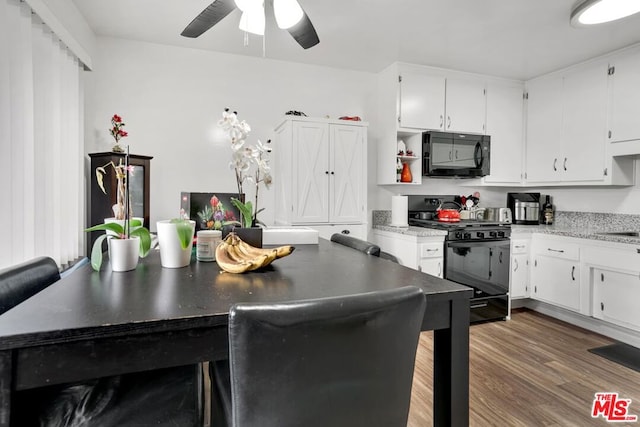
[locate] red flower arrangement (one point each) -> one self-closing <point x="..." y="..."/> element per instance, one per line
<point x="117" y="132"/>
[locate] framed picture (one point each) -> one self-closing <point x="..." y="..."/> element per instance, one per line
<point x="210" y="211"/>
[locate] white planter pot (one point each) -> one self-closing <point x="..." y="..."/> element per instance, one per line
<point x="171" y="253"/>
<point x="124" y="253"/>
<point x="111" y="233"/>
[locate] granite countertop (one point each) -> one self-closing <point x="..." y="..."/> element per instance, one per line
<point x="581" y="225"/>
<point x="411" y="230"/>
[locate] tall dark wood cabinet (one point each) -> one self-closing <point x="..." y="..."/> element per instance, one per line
<point x="139" y="188"/>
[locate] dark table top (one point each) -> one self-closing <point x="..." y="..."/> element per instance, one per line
<point x="151" y="298"/>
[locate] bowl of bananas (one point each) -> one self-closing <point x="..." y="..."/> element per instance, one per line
<point x="234" y="255"/>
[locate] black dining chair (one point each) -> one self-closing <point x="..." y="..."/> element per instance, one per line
<point x="357" y="244"/>
<point x="340" y="361"/>
<point x="362" y="246"/>
<point x="170" y="396"/>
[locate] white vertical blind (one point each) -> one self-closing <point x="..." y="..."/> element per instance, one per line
<point x="41" y="185"/>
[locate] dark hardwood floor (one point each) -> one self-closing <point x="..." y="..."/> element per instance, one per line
<point x="532" y="370"/>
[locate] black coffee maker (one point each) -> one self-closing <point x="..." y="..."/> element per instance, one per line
<point x="525" y="207"/>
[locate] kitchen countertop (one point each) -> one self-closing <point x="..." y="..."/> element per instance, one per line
<point x="581" y="225"/>
<point x="411" y="230"/>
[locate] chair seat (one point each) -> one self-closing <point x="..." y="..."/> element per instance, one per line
<point x="170" y="396"/>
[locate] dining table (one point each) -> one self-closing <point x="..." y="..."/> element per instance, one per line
<point x="92" y="324"/>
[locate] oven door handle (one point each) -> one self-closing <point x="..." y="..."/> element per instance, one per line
<point x="477" y="244"/>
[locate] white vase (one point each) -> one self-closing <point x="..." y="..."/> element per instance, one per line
<point x="111" y="233"/>
<point x="124" y="253"/>
<point x="171" y="253"/>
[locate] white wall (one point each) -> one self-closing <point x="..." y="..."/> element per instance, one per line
<point x="171" y="99"/>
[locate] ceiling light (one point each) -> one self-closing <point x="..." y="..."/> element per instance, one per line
<point x="252" y="21"/>
<point x="590" y="12"/>
<point x="288" y="13"/>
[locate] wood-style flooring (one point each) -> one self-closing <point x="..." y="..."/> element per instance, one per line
<point x="532" y="370"/>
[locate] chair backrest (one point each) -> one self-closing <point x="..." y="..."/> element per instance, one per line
<point x="355" y="243"/>
<point x="19" y="282"/>
<point x="341" y="361"/>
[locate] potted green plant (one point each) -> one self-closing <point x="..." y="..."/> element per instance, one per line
<point x="127" y="240"/>
<point x="251" y="164"/>
<point x="127" y="244"/>
<point x="175" y="237"/>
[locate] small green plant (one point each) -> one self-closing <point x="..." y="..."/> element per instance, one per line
<point x="183" y="226"/>
<point x="132" y="228"/>
<point x="246" y="212"/>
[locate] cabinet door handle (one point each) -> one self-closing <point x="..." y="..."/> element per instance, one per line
<point x="448" y="122"/>
<point x="439" y="269"/>
<point x="431" y="250"/>
<point x="500" y="257"/>
<point x="326" y="172"/>
<point x="556" y="250"/>
<point x="601" y="306"/>
<point x="555" y="161"/>
<point x="456" y="154"/>
<point x="441" y="121"/>
<point x="564" y="164"/>
<point x="535" y="262"/>
<point x="333" y="173"/>
<point x="450" y="155"/>
<point x="573" y="270"/>
<point x="518" y="246"/>
<point x="602" y="277"/>
<point x="515" y="264"/>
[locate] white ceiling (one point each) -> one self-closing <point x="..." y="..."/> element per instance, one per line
<point x="509" y="38"/>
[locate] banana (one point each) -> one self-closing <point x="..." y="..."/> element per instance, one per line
<point x="227" y="263"/>
<point x="283" y="251"/>
<point x="236" y="256"/>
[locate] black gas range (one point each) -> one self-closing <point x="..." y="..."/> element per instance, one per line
<point x="476" y="254"/>
<point x="466" y="229"/>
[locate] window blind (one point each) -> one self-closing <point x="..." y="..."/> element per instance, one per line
<point x="42" y="195"/>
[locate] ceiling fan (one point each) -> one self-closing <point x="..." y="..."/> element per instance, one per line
<point x="289" y="16"/>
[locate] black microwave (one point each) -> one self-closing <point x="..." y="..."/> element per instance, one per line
<point x="460" y="155"/>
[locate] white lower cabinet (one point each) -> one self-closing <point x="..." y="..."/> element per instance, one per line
<point x="555" y="272"/>
<point x="519" y="274"/>
<point x="614" y="273"/>
<point x="615" y="297"/>
<point x="425" y="253"/>
<point x="431" y="260"/>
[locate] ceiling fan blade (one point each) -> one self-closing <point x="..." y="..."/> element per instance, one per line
<point x="304" y="33"/>
<point x="209" y="17"/>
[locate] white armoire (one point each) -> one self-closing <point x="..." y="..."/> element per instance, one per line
<point x="320" y="175"/>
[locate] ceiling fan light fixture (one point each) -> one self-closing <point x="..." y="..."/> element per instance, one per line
<point x="591" y="12"/>
<point x="247" y="5"/>
<point x="253" y="21"/>
<point x="288" y="13"/>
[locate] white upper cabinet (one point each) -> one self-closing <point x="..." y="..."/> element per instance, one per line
<point x="421" y="100"/>
<point x="625" y="97"/>
<point x="544" y="127"/>
<point x="439" y="101"/>
<point x="465" y="105"/>
<point x="566" y="126"/>
<point x="584" y="123"/>
<point x="505" y="126"/>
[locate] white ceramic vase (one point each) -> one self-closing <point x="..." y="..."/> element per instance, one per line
<point x="171" y="253"/>
<point x="111" y="233"/>
<point x="124" y="253"/>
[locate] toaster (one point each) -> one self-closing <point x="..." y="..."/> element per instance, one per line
<point x="498" y="215"/>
